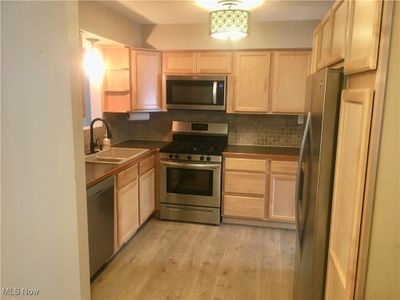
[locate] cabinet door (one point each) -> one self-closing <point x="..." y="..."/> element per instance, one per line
<point x="252" y="74"/>
<point x="339" y="30"/>
<point x="363" y="39"/>
<point x="289" y="78"/>
<point x="116" y="84"/>
<point x="147" y="197"/>
<point x="179" y="62"/>
<point x="214" y="62"/>
<point x="281" y="197"/>
<point x="348" y="192"/>
<point x="127" y="211"/>
<point x="326" y="41"/>
<point x="116" y="58"/>
<point x="146" y="80"/>
<point x="315" y="49"/>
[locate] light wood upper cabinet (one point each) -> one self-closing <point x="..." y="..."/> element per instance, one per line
<point x="363" y="39"/>
<point x="214" y="62"/>
<point x="193" y="62"/>
<point x="326" y="41"/>
<point x="146" y="80"/>
<point x="116" y="58"/>
<point x="116" y="84"/>
<point x="179" y="62"/>
<point x="147" y="195"/>
<point x="251" y="81"/>
<point x="315" y="49"/>
<point x="348" y="192"/>
<point x="289" y="78"/>
<point x="282" y="182"/>
<point x="339" y="16"/>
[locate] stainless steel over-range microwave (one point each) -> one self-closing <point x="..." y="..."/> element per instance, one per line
<point x="196" y="92"/>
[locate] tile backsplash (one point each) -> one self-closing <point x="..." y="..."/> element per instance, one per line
<point x="259" y="130"/>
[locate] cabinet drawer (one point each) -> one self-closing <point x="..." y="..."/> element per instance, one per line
<point x="283" y="166"/>
<point x="146" y="164"/>
<point x="244" y="164"/>
<point x="245" y="183"/>
<point x="237" y="206"/>
<point x="127" y="176"/>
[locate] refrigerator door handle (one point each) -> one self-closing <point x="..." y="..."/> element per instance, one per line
<point x="300" y="176"/>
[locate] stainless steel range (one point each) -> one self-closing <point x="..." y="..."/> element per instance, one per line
<point x="190" y="176"/>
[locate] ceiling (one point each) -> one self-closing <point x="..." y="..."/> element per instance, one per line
<point x="189" y="11"/>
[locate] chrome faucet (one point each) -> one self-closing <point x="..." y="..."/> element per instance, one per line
<point x="93" y="144"/>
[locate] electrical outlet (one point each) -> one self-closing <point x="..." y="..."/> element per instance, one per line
<point x="300" y="119"/>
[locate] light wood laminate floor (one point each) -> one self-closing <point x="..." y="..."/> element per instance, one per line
<point x="171" y="260"/>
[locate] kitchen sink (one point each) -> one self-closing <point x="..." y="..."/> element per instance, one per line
<point x="115" y="156"/>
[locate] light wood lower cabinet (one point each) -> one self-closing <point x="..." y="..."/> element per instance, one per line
<point x="135" y="198"/>
<point x="243" y="206"/>
<point x="147" y="195"/>
<point x="282" y="183"/>
<point x="259" y="189"/>
<point x="244" y="183"/>
<point x="281" y="197"/>
<point x="127" y="193"/>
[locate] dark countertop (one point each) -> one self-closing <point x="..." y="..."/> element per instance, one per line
<point x="142" y="144"/>
<point x="261" y="150"/>
<point x="96" y="172"/>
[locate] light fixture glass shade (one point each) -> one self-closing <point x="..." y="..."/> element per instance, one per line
<point x="230" y="24"/>
<point x="93" y="65"/>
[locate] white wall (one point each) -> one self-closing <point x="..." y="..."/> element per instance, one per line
<point x="101" y="20"/>
<point x="293" y="34"/>
<point x="383" y="273"/>
<point x="43" y="210"/>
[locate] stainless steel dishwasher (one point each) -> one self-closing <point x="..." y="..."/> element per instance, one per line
<point x="100" y="208"/>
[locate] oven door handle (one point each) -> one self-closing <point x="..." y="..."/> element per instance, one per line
<point x="208" y="166"/>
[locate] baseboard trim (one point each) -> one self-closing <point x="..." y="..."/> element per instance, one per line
<point x="258" y="223"/>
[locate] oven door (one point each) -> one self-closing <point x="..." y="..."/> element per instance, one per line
<point x="190" y="183"/>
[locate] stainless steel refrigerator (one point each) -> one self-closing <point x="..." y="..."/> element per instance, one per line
<point x="314" y="183"/>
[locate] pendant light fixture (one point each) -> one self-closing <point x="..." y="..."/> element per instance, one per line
<point x="93" y="63"/>
<point x="229" y="23"/>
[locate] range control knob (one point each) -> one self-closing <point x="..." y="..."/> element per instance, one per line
<point x="201" y="157"/>
<point x="208" y="158"/>
<point x="189" y="157"/>
<point x="170" y="156"/>
<point x="176" y="156"/>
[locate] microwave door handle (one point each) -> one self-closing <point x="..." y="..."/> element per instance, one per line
<point x="214" y="92"/>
